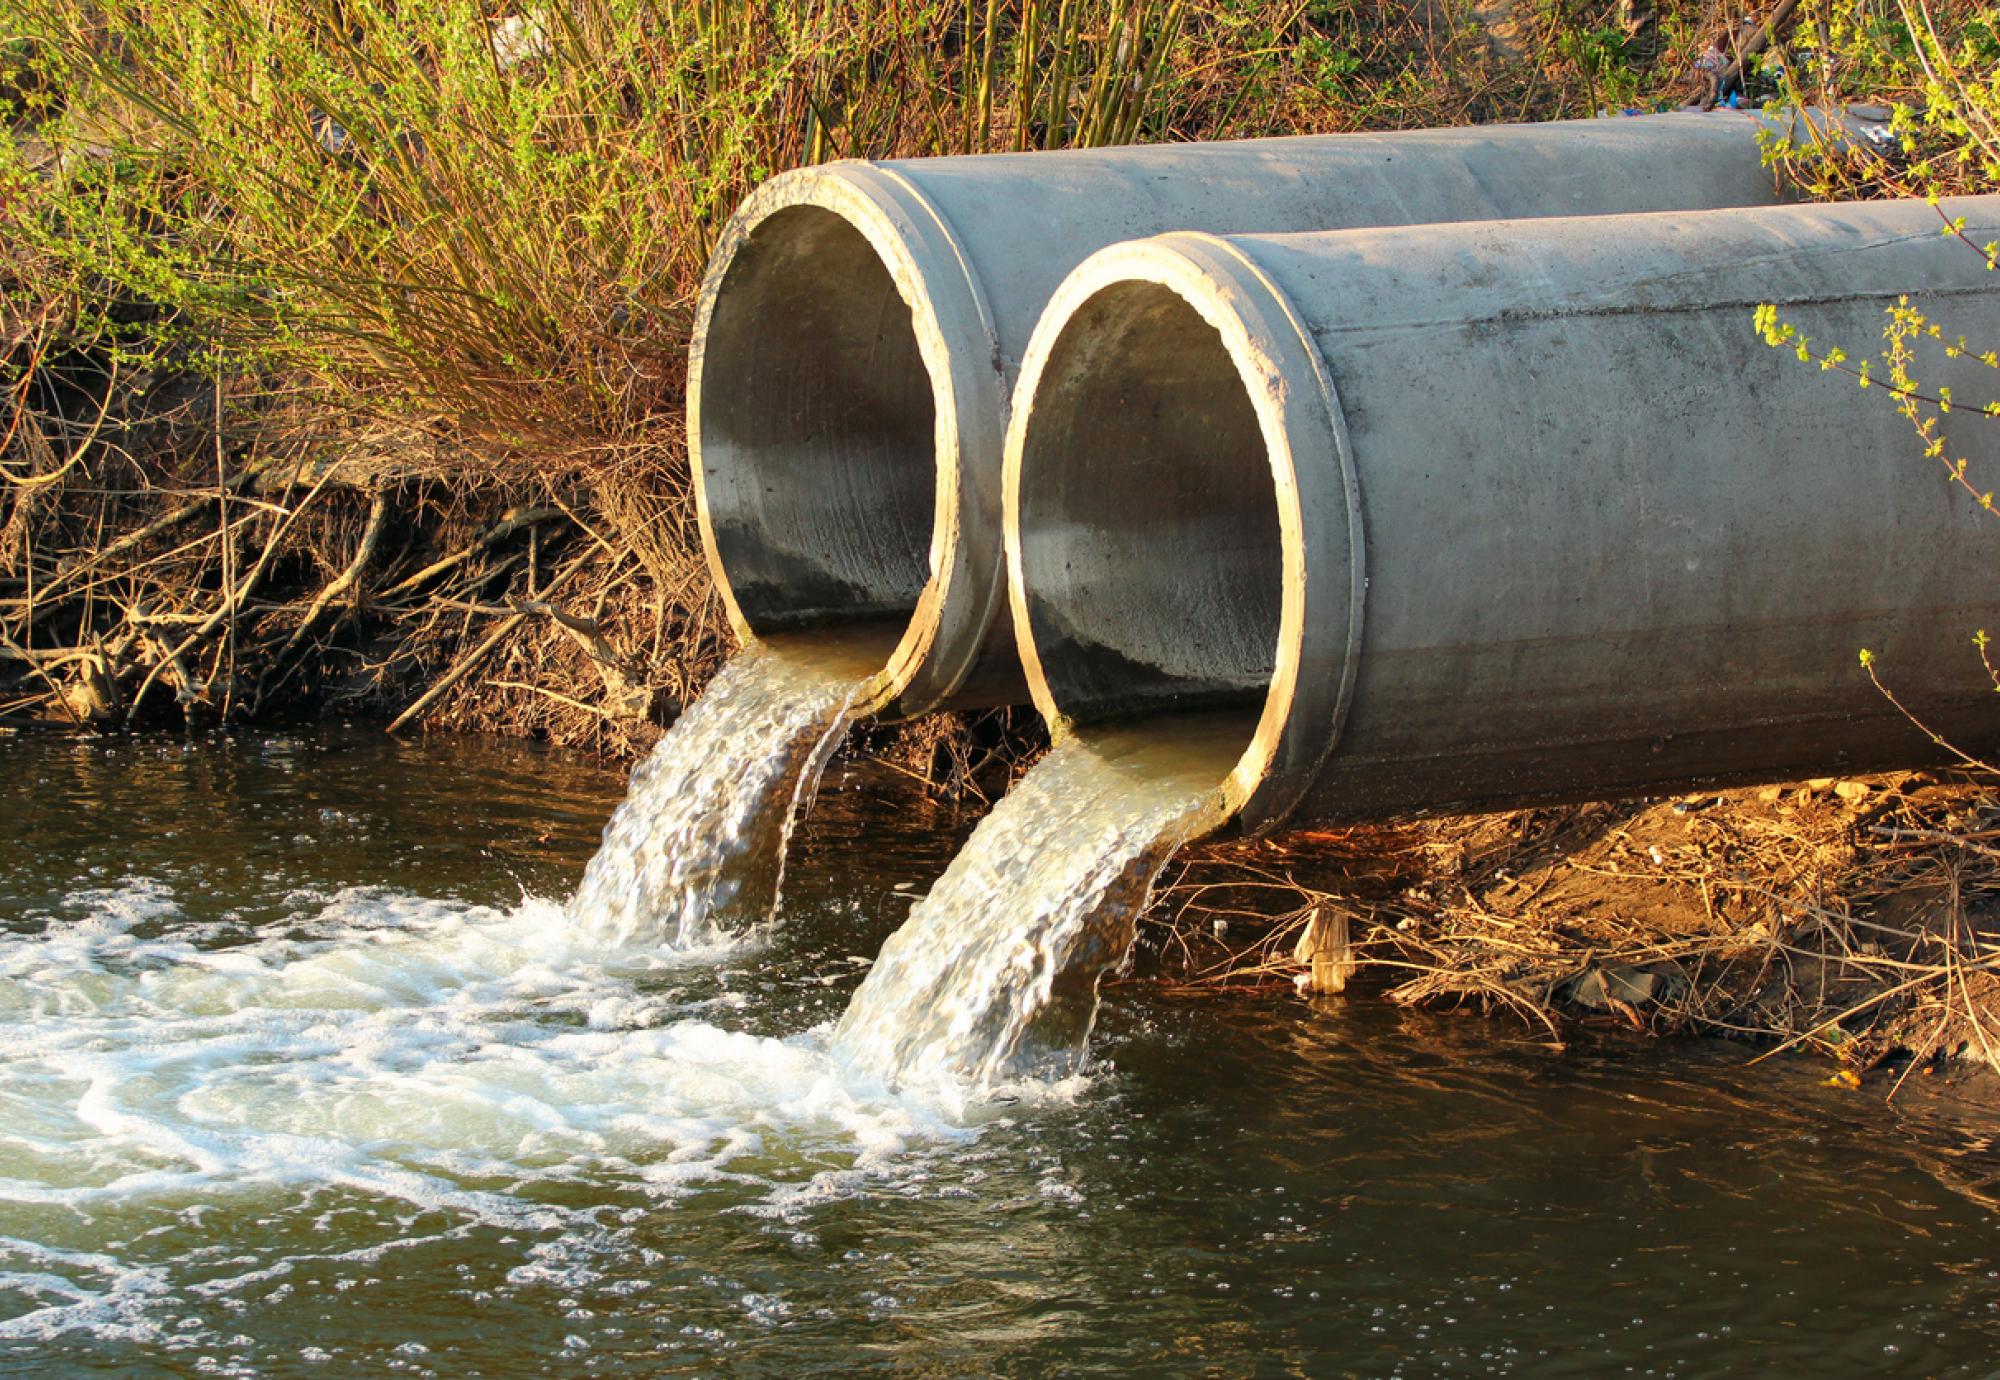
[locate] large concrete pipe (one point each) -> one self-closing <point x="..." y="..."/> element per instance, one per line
<point x="1489" y="514"/>
<point x="861" y="327"/>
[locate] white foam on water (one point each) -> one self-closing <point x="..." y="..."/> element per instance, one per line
<point x="71" y="1291"/>
<point x="697" y="847"/>
<point x="551" y="1072"/>
<point x="467" y="1066"/>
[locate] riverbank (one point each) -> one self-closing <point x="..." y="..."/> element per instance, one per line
<point x="1853" y="917"/>
<point x="249" y="483"/>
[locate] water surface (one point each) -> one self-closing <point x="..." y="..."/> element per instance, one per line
<point x="305" y="1071"/>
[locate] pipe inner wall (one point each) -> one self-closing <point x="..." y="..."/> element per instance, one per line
<point x="818" y="429"/>
<point x="1150" y="539"/>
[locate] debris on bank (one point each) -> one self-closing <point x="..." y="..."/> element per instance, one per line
<point x="176" y="555"/>
<point x="1858" y="917"/>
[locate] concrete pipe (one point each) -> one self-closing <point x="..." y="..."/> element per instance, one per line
<point x="861" y="327"/>
<point x="1487" y="515"/>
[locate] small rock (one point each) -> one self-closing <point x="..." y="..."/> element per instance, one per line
<point x="1771" y="794"/>
<point x="1852" y="791"/>
<point x="1820" y="783"/>
<point x="1635" y="985"/>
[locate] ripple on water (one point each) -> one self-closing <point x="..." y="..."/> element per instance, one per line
<point x="426" y="1126"/>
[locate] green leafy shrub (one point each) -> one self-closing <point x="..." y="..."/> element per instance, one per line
<point x="497" y="217"/>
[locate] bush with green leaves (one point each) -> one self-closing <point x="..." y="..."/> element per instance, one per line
<point x="495" y="216"/>
<point x="1936" y="66"/>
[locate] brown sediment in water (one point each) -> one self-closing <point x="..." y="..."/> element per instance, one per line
<point x="1859" y="918"/>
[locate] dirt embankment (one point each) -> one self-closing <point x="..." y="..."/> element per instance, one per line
<point x="1856" y="917"/>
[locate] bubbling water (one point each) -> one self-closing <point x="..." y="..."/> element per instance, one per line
<point x="418" y="1070"/>
<point x="368" y="1071"/>
<point x="697" y="848"/>
<point x="414" y="1059"/>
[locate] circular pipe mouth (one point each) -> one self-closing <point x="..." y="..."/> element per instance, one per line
<point x="1182" y="523"/>
<point x="828" y="393"/>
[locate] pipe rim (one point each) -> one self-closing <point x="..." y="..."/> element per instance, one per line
<point x="1317" y="488"/>
<point x="958" y="346"/>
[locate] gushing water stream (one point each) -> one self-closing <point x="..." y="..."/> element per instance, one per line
<point x="995" y="974"/>
<point x="698" y="847"/>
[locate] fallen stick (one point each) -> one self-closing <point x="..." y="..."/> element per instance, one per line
<point x="165" y="522"/>
<point x="510" y="522"/>
<point x="472" y="659"/>
<point x="1748" y="45"/>
<point x="348" y="579"/>
<point x="229" y="606"/>
<point x="1964" y="841"/>
<point x="554" y="695"/>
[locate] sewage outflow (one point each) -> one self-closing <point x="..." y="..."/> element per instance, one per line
<point x="995" y="974"/>
<point x="697" y="848"/>
<point x="994" y="977"/>
<point x="298" y="1077"/>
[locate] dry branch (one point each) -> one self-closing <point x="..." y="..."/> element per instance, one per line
<point x="514" y="520"/>
<point x="1861" y="922"/>
<point x="470" y="662"/>
<point x="349" y="579"/>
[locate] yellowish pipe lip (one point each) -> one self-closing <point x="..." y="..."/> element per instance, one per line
<point x="1318" y="497"/>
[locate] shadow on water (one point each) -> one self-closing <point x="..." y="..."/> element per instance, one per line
<point x="239" y="824"/>
<point x="644" y="1168"/>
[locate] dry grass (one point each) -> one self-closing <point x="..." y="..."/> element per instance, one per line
<point x="1855" y="917"/>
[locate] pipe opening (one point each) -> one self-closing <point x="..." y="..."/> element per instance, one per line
<point x="1150" y="550"/>
<point x="817" y="429"/>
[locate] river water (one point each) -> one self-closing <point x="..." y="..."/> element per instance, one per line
<point x="305" y="1071"/>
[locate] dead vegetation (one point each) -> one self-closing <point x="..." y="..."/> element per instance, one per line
<point x="1860" y="918"/>
<point x="225" y="559"/>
